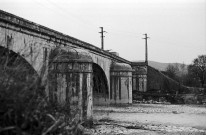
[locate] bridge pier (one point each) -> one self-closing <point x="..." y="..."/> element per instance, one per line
<point x="121" y="83"/>
<point x="139" y="76"/>
<point x="75" y="73"/>
<point x="70" y="74"/>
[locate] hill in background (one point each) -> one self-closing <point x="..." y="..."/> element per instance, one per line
<point x="158" y="65"/>
<point x="163" y="66"/>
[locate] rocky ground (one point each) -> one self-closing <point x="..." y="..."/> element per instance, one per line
<point x="149" y="119"/>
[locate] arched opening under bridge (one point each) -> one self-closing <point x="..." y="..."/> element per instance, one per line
<point x="15" y="72"/>
<point x="100" y="86"/>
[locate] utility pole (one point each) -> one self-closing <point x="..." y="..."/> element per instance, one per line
<point x="146" y="61"/>
<point x="102" y="37"/>
<point x="146" y="53"/>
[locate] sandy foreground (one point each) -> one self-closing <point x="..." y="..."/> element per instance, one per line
<point x="149" y="119"/>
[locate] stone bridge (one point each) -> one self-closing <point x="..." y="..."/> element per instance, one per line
<point x="71" y="71"/>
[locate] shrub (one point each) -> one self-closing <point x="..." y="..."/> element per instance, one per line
<point x="24" y="107"/>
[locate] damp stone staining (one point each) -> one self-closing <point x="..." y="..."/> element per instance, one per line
<point x="64" y="80"/>
<point x="70" y="82"/>
<point x="121" y="83"/>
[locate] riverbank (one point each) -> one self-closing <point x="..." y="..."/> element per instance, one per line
<point x="149" y="119"/>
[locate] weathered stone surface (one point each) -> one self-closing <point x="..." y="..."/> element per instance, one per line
<point x="72" y="62"/>
<point x="121" y="83"/>
<point x="139" y="76"/>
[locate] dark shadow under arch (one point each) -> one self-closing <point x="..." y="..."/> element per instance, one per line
<point x="100" y="85"/>
<point x="15" y="71"/>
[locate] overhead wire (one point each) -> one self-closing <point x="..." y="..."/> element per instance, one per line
<point x="63" y="13"/>
<point x="93" y="26"/>
<point x="66" y="12"/>
<point x="89" y="25"/>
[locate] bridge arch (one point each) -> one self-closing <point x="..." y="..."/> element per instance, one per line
<point x="100" y="86"/>
<point x="16" y="71"/>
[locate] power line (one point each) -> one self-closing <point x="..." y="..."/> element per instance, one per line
<point x="65" y="13"/>
<point x="71" y="14"/>
<point x="120" y="32"/>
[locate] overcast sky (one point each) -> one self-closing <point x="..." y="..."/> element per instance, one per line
<point x="177" y="28"/>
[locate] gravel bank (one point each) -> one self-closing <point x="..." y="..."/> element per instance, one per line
<point x="149" y="119"/>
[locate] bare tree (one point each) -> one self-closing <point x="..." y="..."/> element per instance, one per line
<point x="183" y="73"/>
<point x="198" y="68"/>
<point x="172" y="71"/>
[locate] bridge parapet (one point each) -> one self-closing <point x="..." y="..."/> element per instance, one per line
<point x="52" y="35"/>
<point x="79" y="66"/>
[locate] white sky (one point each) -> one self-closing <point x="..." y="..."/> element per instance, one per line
<point x="177" y="28"/>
